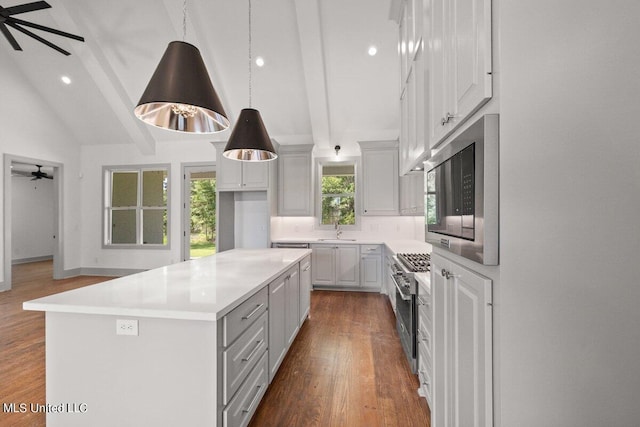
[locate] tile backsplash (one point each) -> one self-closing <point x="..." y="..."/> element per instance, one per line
<point x="371" y="227"/>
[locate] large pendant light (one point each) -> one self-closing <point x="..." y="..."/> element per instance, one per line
<point x="180" y="95"/>
<point x="249" y="140"/>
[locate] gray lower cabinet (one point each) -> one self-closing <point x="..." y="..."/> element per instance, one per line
<point x="284" y="316"/>
<point x="305" y="288"/>
<point x="253" y="340"/>
<point x="239" y="412"/>
<point x="347" y="266"/>
<point x="277" y="324"/>
<point x="336" y="265"/>
<point x="371" y="267"/>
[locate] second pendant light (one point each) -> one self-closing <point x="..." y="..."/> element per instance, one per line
<point x="249" y="140"/>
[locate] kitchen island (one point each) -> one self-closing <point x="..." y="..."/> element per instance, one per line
<point x="185" y="344"/>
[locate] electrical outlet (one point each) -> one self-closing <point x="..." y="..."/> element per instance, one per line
<point x="126" y="327"/>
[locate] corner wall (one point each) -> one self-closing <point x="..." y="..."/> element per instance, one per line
<point x="31" y="129"/>
<point x="570" y="195"/>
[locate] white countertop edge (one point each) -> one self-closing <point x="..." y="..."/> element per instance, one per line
<point x="41" y="304"/>
<point x="120" y="311"/>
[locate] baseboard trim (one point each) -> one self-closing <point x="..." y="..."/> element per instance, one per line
<point x="31" y="259"/>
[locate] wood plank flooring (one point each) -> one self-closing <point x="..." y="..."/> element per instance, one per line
<point x="22" y="354"/>
<point x="345" y="368"/>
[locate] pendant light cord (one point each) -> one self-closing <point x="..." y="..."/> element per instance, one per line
<point x="184" y="20"/>
<point x="249" y="53"/>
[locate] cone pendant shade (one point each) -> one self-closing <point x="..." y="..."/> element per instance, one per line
<point x="180" y="95"/>
<point x="249" y="140"/>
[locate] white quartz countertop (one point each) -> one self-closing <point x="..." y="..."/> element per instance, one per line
<point x="408" y="246"/>
<point x="202" y="289"/>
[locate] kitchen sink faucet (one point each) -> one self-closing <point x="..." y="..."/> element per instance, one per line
<point x="338" y="231"/>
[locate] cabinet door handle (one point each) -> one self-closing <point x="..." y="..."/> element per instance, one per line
<point x="307" y="269"/>
<point x="253" y="401"/>
<point x="253" y="352"/>
<point x="446" y="119"/>
<point x="448" y="275"/>
<point x="255" y="310"/>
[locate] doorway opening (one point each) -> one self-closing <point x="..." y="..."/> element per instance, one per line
<point x="32" y="215"/>
<point x="199" y="213"/>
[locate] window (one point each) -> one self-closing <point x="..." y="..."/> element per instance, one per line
<point x="136" y="201"/>
<point x="430" y="199"/>
<point x="337" y="193"/>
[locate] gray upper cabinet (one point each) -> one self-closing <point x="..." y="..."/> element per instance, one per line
<point x="295" y="188"/>
<point x="234" y="175"/>
<point x="379" y="177"/>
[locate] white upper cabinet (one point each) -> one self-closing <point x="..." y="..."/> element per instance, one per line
<point x="460" y="63"/>
<point x="234" y="175"/>
<point x="413" y="87"/>
<point x="379" y="177"/>
<point x="412" y="194"/>
<point x="295" y="189"/>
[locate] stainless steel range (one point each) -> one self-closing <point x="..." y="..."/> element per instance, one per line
<point x="404" y="268"/>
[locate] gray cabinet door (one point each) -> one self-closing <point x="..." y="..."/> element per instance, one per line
<point x="277" y="338"/>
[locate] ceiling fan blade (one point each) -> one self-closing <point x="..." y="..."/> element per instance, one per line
<point x="37" y="37"/>
<point x="27" y="7"/>
<point x="47" y="176"/>
<point x="43" y="28"/>
<point x="10" y="38"/>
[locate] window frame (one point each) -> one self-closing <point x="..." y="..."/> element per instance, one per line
<point x="332" y="161"/>
<point x="107" y="185"/>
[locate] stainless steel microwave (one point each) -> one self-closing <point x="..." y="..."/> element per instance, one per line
<point x="462" y="194"/>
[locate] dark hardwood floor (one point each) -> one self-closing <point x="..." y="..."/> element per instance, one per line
<point x="345" y="368"/>
<point x="22" y="361"/>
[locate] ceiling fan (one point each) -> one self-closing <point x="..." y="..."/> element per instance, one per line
<point x="7" y="19"/>
<point x="36" y="175"/>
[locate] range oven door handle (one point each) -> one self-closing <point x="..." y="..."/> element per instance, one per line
<point x="402" y="294"/>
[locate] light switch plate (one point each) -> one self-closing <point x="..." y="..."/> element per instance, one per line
<point x="126" y="327"/>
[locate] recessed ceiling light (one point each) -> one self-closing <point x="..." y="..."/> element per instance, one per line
<point x="259" y="61"/>
<point x="66" y="80"/>
<point x="372" y="50"/>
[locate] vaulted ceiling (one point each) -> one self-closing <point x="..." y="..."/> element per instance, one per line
<point x="318" y="84"/>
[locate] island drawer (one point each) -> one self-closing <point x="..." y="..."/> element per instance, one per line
<point x="242" y="356"/>
<point x="241" y="317"/>
<point x="241" y="408"/>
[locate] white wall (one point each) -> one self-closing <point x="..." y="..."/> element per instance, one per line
<point x="570" y="196"/>
<point x="94" y="157"/>
<point x="32" y="218"/>
<point x="31" y="129"/>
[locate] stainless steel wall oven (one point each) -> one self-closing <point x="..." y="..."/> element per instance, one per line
<point x="461" y="193"/>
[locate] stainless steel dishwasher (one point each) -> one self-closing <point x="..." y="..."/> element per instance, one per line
<point x="290" y="245"/>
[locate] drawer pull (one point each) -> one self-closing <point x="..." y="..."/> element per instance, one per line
<point x="253" y="352"/>
<point x="307" y="269"/>
<point x="253" y="401"/>
<point x="255" y="310"/>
